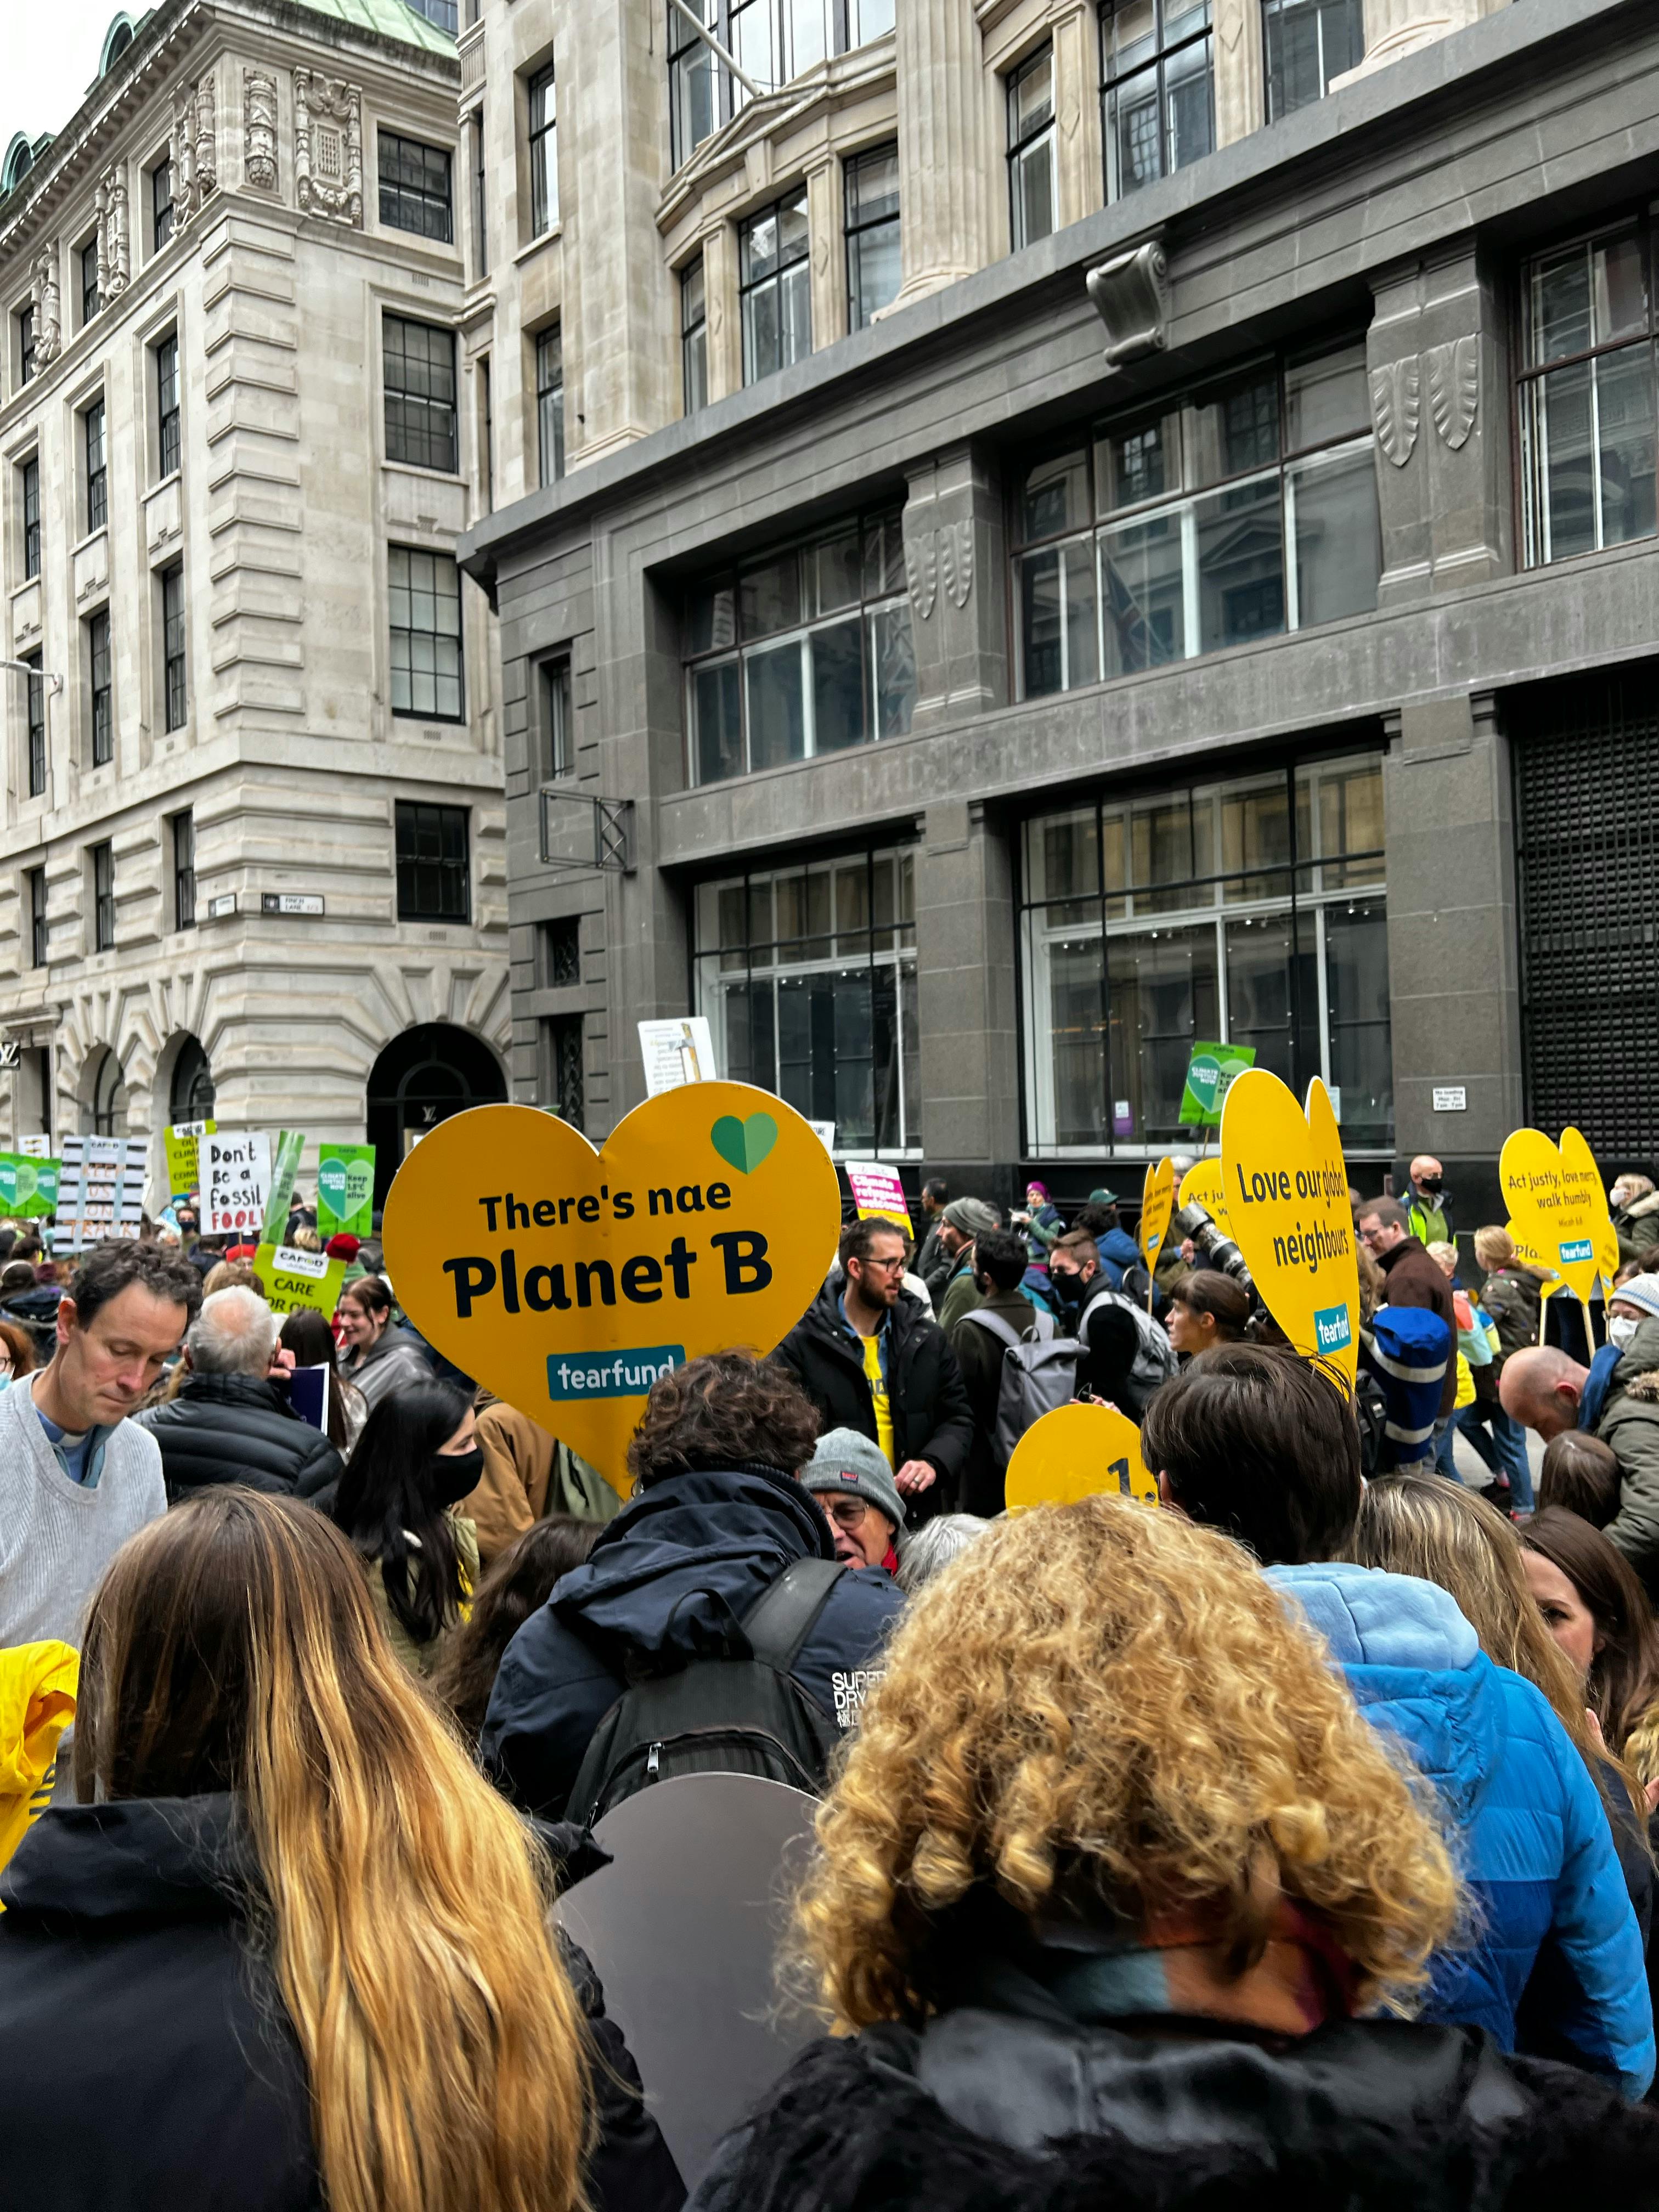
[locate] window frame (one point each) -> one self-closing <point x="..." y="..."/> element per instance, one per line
<point x="438" y="558"/>
<point x="757" y="33"/>
<point x="169" y="430"/>
<point x="1165" y="51"/>
<point x="35" y="734"/>
<point x="163" y="225"/>
<point x="101" y="696"/>
<point x="175" y="646"/>
<point x="1275" y="11"/>
<point x="694" y="338"/>
<point x="406" y="192"/>
<point x="39" y="920"/>
<point x="856" y="228"/>
<point x="415" y="816"/>
<point x="182" y="827"/>
<point x="564" y="1073"/>
<point x="1024" y="143"/>
<point x="796" y="200"/>
<point x="94" y="461"/>
<point x="102" y="857"/>
<point x="550" y="404"/>
<point x="23" y="317"/>
<point x="542" y="150"/>
<point x="28" y="472"/>
<point x="557" y="731"/>
<point x="419" y="421"/>
<point x="86" y="256"/>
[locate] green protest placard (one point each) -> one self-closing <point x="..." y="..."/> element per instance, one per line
<point x="284" y="1166"/>
<point x="345" y="1190"/>
<point x="28" y="1187"/>
<point x="1210" y="1072"/>
<point x="295" y="1280"/>
<point x="184" y="1164"/>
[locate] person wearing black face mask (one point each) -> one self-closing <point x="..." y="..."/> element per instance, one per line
<point x="1429" y="1202"/>
<point x="418" y="1459"/>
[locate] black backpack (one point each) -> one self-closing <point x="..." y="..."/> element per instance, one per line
<point x="721" y="1716"/>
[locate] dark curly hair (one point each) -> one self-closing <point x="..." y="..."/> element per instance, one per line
<point x="110" y="1269"/>
<point x="729" y="1409"/>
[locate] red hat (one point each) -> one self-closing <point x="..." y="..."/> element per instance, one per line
<point x="241" y="1252"/>
<point x="345" y="1246"/>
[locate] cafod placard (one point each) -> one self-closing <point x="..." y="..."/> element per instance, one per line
<point x="1210" y="1072"/>
<point x="294" y="1280"/>
<point x="568" y="1280"/>
<point x="1556" y="1199"/>
<point x="1287" y="1207"/>
<point x="1157" y="1204"/>
<point x="1075" y="1451"/>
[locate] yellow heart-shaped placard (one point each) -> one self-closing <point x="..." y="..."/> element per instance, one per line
<point x="1074" y="1451"/>
<point x="1157" y="1204"/>
<point x="1555" y="1196"/>
<point x="1201" y="1186"/>
<point x="1286" y="1185"/>
<point x="568" y="1279"/>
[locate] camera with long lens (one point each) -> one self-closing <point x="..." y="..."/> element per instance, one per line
<point x="1218" y="1250"/>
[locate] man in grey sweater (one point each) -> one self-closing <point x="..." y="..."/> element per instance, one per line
<point x="77" y="1476"/>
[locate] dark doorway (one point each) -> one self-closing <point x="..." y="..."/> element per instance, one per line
<point x="421" y="1077"/>
<point x="190" y="1093"/>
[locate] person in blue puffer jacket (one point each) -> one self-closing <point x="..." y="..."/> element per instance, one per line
<point x="1530" y="1831"/>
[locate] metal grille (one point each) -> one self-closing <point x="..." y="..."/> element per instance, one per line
<point x="1586" y="757"/>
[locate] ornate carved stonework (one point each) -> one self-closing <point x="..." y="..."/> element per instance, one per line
<point x="207" y="138"/>
<point x="955" y="553"/>
<point x="1454" y="389"/>
<point x="114" y="251"/>
<point x="44" y="298"/>
<point x="328" y="147"/>
<point x="260" y="130"/>
<point x="1397" y="406"/>
<point x="921" y="571"/>
<point x="195" y="148"/>
<point x="1131" y="294"/>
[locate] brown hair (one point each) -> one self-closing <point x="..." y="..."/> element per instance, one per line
<point x="516" y="1586"/>
<point x="1623" y="1675"/>
<point x="21" y="1344"/>
<point x="1207" y="1291"/>
<point x="1581" y="1475"/>
<point x="233" y="1646"/>
<point x="231" y="1275"/>
<point x="728" y="1409"/>
<point x="109" y="1269"/>
<point x="1387" y="1212"/>
<point x="1080" y="1245"/>
<point x="858" y="1239"/>
<point x="370" y="1292"/>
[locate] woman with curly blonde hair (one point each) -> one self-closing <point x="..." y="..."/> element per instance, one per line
<point x="1108" y="1892"/>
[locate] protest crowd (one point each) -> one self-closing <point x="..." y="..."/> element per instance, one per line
<point x="1283" y="1834"/>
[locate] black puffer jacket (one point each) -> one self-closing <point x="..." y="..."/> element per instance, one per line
<point x="238" y="1428"/>
<point x="931" y="1418"/>
<point x="191" y="2092"/>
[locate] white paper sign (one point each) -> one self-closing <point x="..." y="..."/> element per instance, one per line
<point x="676" y="1053"/>
<point x="825" y="1134"/>
<point x="236" y="1168"/>
<point x="1451" y="1099"/>
<point x="876" y="1189"/>
<point x="35" y="1148"/>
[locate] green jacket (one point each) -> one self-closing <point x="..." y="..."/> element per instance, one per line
<point x="962" y="1294"/>
<point x="1510" y="1296"/>
<point x="1630" y="1426"/>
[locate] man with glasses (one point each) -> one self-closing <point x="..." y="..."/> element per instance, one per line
<point x="1413" y="1280"/>
<point x="870" y="1359"/>
<point x="854" y="1486"/>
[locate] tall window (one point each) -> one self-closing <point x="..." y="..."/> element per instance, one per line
<point x="166" y="404"/>
<point x="806" y="652"/>
<point x="550" y="404"/>
<point x="444" y="13"/>
<point x="480" y="201"/>
<point x="35" y="878"/>
<point x="34" y="706"/>
<point x="1235" y="512"/>
<point x="433" y="875"/>
<point x="24" y="319"/>
<point x="1031" y="90"/>
<point x="563" y="1086"/>
<point x="420" y="394"/>
<point x="1157" y="95"/>
<point x="97" y="466"/>
<point x="184" y="870"/>
<point x="100" y="687"/>
<point x="426" y="633"/>
<point x="774" y="40"/>
<point x="88" y="261"/>
<point x="560" y="944"/>
<point x="544" y="153"/>
<point x="103" y="897"/>
<point x="173" y="645"/>
<point x="486" y="401"/>
<point x="415" y="186"/>
<point x="558" y="726"/>
<point x="871" y="182"/>
<point x="808" y="977"/>
<point x="30" y="475"/>
<point x="161" y="205"/>
<point x="1587" y="395"/>
<point x="1307" y="43"/>
<point x="775" y="283"/>
<point x="694" y="338"/>
<point x="1250" y="911"/>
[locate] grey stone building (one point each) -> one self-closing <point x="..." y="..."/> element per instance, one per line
<point x="1061" y="531"/>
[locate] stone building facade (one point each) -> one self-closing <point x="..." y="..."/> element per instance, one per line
<point x="1031" y="533"/>
<point x="253" y="849"/>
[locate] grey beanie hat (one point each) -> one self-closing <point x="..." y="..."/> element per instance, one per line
<point x="1641" y="1291"/>
<point x="972" y="1216"/>
<point x="847" y="1462"/>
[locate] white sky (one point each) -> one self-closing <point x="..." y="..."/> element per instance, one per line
<point x="50" y="50"/>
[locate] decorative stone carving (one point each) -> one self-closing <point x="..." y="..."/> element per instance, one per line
<point x="1454" y="389"/>
<point x="328" y="147"/>
<point x="921" y="571"/>
<point x="207" y="140"/>
<point x="1397" y="406"/>
<point x="195" y="148"/>
<point x="114" y="251"/>
<point x="260" y="130"/>
<point x="1131" y="293"/>
<point x="956" y="554"/>
<point x="48" y="313"/>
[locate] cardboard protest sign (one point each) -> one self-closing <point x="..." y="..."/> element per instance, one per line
<point x="235" y="1182"/>
<point x="1157" y="1204"/>
<point x="184" y="1164"/>
<point x="1556" y="1199"/>
<point x="876" y="1189"/>
<point x="101" y="1191"/>
<point x="568" y="1279"/>
<point x="1074" y="1451"/>
<point x="1287" y="1207"/>
<point x="1201" y="1186"/>
<point x="296" y="1280"/>
<point x="345" y="1190"/>
<point x="1211" y="1073"/>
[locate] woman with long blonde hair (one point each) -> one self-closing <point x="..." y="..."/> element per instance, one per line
<point x="289" y="1948"/>
<point x="1107" y="1898"/>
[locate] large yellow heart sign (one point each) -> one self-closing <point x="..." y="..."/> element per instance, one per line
<point x="1555" y="1197"/>
<point x="568" y="1279"/>
<point x="1286" y="1187"/>
<point x="1074" y="1451"/>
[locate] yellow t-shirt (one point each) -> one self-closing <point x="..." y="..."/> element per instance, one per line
<point x="879" y="1397"/>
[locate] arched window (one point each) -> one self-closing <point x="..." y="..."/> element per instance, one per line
<point x="429" y="1072"/>
<point x="109" y="1096"/>
<point x="190" y="1094"/>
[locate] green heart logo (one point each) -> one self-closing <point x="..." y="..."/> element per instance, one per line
<point x="1202" y="1076"/>
<point x="744" y="1145"/>
<point x="332" y="1182"/>
<point x="358" y="1187"/>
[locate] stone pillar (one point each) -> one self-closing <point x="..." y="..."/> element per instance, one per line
<point x="1079" y="163"/>
<point x="1454" y="955"/>
<point x="720" y="291"/>
<point x="965" y="955"/>
<point x="944" y="158"/>
<point x="1395" y="28"/>
<point x="1437" y="354"/>
<point x="954" y="565"/>
<point x="1241" y="88"/>
<point x="828" y="263"/>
